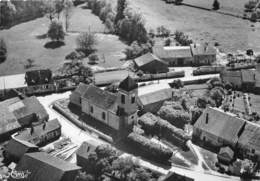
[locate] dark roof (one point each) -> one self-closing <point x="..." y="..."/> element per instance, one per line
<point x="221" y="124"/>
<point x="157" y="96"/>
<point x="8" y="121"/>
<point x="248" y="76"/>
<point x="38" y="131"/>
<point x="31" y="105"/>
<point x="43" y="166"/>
<point x="176" y="177"/>
<point x="172" y="52"/>
<point x="101" y="98"/>
<point x="250" y="137"/>
<point x="198" y="49"/>
<point x="81" y="89"/>
<point x="128" y="84"/>
<point x="147" y="58"/>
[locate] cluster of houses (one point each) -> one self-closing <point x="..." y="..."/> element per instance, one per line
<point x="228" y="134"/>
<point x="243" y="79"/>
<point x="163" y="57"/>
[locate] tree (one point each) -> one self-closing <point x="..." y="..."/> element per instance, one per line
<point x="68" y="8"/>
<point x="85" y="42"/>
<point x="8" y="10"/>
<point x="123" y="166"/>
<point x="82" y="176"/>
<point x="217" y="95"/>
<point x="50" y="9"/>
<point x="121" y="5"/>
<point x="56" y="32"/>
<point x="59" y="6"/>
<point x="3" y="50"/>
<point x="216" y="5"/>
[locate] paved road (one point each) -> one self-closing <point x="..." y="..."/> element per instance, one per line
<point x="78" y="136"/>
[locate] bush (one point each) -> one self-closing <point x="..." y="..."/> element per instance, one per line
<point x="250" y="4"/>
<point x="253" y="17"/>
<point x="85" y="42"/>
<point x="135" y="50"/>
<point x="167" y="42"/>
<point x="93" y="58"/>
<point x="177" y="118"/>
<point x="56" y="31"/>
<point x="182" y="39"/>
<point x="149" y="148"/>
<point x="147" y="122"/>
<point x="216" y="5"/>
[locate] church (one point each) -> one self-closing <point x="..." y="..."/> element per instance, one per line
<point x="117" y="110"/>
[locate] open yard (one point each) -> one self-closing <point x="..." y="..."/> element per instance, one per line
<point x="28" y="40"/>
<point x="203" y="26"/>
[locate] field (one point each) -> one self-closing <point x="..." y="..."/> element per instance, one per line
<point x="27" y="40"/>
<point x="203" y="26"/>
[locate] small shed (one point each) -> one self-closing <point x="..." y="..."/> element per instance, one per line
<point x="149" y="63"/>
<point x="225" y="155"/>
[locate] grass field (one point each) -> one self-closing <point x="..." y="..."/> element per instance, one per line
<point x="27" y="40"/>
<point x="203" y="26"/>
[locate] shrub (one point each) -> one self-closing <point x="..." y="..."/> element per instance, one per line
<point x="86" y="42"/>
<point x="168" y="42"/>
<point x="253" y="17"/>
<point x="183" y="39"/>
<point x="250" y="4"/>
<point x="149" y="148"/>
<point x="147" y="122"/>
<point x="135" y="50"/>
<point x="93" y="58"/>
<point x="56" y="31"/>
<point x="216" y="5"/>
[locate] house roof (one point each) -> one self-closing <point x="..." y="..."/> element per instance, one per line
<point x="198" y="49"/>
<point x="86" y="148"/>
<point x="128" y="84"/>
<point x="147" y="58"/>
<point x="101" y="98"/>
<point x="40" y="163"/>
<point x="173" y="52"/>
<point x="226" y="151"/>
<point x="31" y="106"/>
<point x="38" y="131"/>
<point x="248" y="76"/>
<point x="8" y="121"/>
<point x="221" y="124"/>
<point x="227" y="73"/>
<point x="82" y="88"/>
<point x="250" y="137"/>
<point x="157" y="96"/>
<point x="176" y="177"/>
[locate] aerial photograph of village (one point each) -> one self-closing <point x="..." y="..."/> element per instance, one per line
<point x="129" y="90"/>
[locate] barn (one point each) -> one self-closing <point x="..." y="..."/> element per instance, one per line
<point x="149" y="63"/>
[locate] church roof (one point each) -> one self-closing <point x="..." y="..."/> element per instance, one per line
<point x="128" y="84"/>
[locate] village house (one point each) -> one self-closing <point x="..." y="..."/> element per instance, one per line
<point x="149" y="63"/>
<point x="75" y="98"/>
<point x="248" y="142"/>
<point x="42" y="167"/>
<point x="29" y="139"/>
<point x="115" y="110"/>
<point x="153" y="101"/>
<point x="203" y="54"/>
<point x="243" y="79"/>
<point x="217" y="128"/>
<point x="16" y="114"/>
<point x="175" y="55"/>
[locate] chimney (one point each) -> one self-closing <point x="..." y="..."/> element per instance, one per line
<point x="32" y="130"/>
<point x="44" y="126"/>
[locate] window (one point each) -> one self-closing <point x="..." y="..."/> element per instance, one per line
<point x="91" y="109"/>
<point x="133" y="99"/>
<point x="123" y="99"/>
<point x="103" y="116"/>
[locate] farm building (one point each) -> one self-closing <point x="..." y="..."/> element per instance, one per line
<point x="226" y="155"/>
<point x="218" y="128"/>
<point x="16" y="114"/>
<point x="175" y="55"/>
<point x="203" y="54"/>
<point x="248" y="142"/>
<point x="149" y="63"/>
<point x="41" y="134"/>
<point x="153" y="101"/>
<point x="38" y="164"/>
<point x="75" y="96"/>
<point x="15" y="149"/>
<point x="114" y="110"/>
<point x="242" y="79"/>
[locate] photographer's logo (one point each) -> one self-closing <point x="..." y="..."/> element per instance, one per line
<point x="15" y="174"/>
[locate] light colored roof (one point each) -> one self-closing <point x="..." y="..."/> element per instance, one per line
<point x="198" y="49"/>
<point x="147" y="58"/>
<point x="157" y="96"/>
<point x="248" y="76"/>
<point x="147" y="89"/>
<point x="173" y="52"/>
<point x="12" y="81"/>
<point x="221" y="124"/>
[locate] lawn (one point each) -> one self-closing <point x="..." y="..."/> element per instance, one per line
<point x="203" y="26"/>
<point x="28" y="40"/>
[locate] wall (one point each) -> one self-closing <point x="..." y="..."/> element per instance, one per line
<point x="75" y="98"/>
